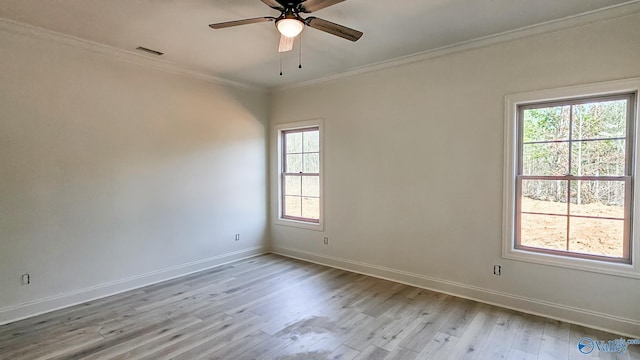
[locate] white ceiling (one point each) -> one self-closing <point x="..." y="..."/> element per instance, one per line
<point x="248" y="54"/>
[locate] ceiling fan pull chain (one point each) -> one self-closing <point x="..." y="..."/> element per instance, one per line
<point x="280" y="64"/>
<point x="300" y="53"/>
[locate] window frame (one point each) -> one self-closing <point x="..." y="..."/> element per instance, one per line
<point x="279" y="157"/>
<point x="514" y="104"/>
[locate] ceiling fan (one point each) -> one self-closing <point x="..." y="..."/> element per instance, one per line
<point x="290" y="24"/>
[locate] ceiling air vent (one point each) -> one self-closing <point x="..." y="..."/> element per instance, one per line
<point x="149" y="51"/>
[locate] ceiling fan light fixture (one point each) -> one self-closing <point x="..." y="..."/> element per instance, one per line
<point x="290" y="27"/>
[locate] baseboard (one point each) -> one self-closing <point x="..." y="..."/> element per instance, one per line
<point x="605" y="322"/>
<point x="60" y="301"/>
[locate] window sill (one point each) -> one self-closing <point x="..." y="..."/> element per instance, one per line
<point x="596" y="266"/>
<point x="300" y="224"/>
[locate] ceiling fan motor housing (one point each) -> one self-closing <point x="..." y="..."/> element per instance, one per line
<point x="290" y="24"/>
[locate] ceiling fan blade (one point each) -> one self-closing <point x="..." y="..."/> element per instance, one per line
<point x="315" y="5"/>
<point x="333" y="28"/>
<point x="274" y="4"/>
<point x="286" y="43"/>
<point x="227" y="24"/>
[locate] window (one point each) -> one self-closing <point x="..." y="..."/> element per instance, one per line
<point x="574" y="177"/>
<point x="569" y="177"/>
<point x="300" y="180"/>
<point x="301" y="174"/>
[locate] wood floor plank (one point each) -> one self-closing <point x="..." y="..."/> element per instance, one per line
<point x="210" y="339"/>
<point x="167" y="341"/>
<point x="501" y="336"/>
<point x="372" y="352"/>
<point x="271" y="307"/>
<point x="555" y="341"/>
<point x="344" y="353"/>
<point x="391" y="337"/>
<point x="475" y="335"/>
<point x="51" y="343"/>
<point x="369" y="332"/>
<point x="517" y="354"/>
<point x="529" y="337"/>
<point x="322" y="305"/>
<point x="267" y="349"/>
<point x="462" y="314"/>
<point x="234" y="349"/>
<point x="435" y="316"/>
<point x="136" y="340"/>
<point x="439" y="347"/>
<point x="402" y="354"/>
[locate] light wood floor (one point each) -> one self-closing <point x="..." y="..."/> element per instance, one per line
<point x="271" y="307"/>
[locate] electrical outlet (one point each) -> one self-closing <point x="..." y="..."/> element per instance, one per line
<point x="497" y="270"/>
<point x="26" y="279"/>
<point x="326" y="240"/>
<point x="237" y="237"/>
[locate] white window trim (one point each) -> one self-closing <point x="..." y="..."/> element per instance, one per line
<point x="277" y="138"/>
<point x="512" y="102"/>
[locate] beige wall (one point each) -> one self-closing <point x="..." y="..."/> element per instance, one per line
<point x="414" y="166"/>
<point x="114" y="175"/>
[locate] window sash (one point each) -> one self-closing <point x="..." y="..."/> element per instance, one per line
<point x="626" y="178"/>
<point x="283" y="197"/>
<point x="626" y="242"/>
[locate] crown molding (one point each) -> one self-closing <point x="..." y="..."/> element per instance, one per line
<point x="16" y="27"/>
<point x="573" y="21"/>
